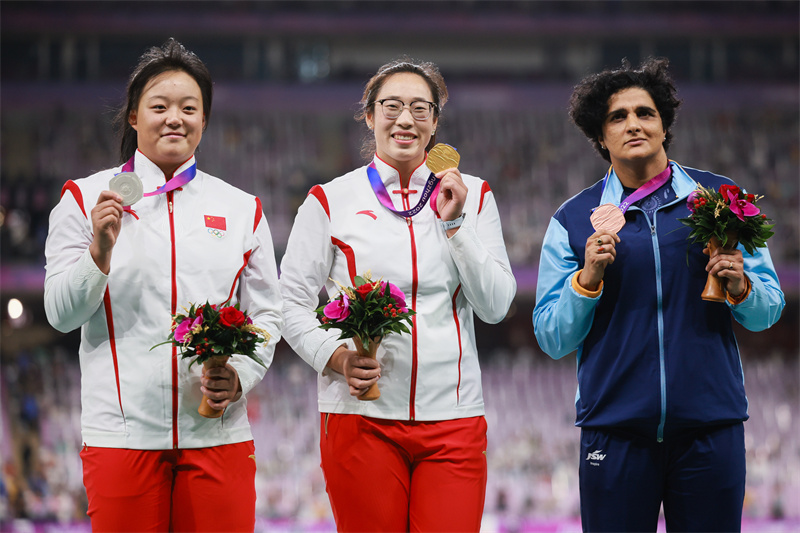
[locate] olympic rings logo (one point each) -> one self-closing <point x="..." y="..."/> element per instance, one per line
<point x="216" y="233"/>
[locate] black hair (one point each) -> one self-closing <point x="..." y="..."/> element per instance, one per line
<point x="588" y="105"/>
<point x="171" y="56"/>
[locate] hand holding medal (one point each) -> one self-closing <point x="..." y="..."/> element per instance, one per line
<point x="454" y="193"/>
<point x="607" y="221"/>
<point x="443" y="157"/>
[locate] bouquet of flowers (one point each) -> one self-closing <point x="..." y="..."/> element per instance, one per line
<point x="211" y="334"/>
<point x="723" y="219"/>
<point x="366" y="313"/>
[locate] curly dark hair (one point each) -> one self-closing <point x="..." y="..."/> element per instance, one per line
<point x="171" y="56"/>
<point x="427" y="70"/>
<point x="588" y="105"/>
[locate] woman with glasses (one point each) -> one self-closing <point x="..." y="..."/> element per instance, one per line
<point x="414" y="459"/>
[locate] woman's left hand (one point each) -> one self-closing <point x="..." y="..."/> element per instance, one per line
<point x="221" y="386"/>
<point x="452" y="195"/>
<point x="728" y="265"/>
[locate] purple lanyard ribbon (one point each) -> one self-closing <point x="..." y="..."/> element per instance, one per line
<point x="383" y="195"/>
<point x="175" y="182"/>
<point x="643" y="191"/>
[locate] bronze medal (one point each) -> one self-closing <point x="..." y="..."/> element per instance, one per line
<point x="441" y="157"/>
<point x="608" y="218"/>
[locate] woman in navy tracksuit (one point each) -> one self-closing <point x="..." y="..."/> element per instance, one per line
<point x="661" y="397"/>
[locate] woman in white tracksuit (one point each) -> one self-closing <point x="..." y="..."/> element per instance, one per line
<point x="150" y="461"/>
<point x="415" y="458"/>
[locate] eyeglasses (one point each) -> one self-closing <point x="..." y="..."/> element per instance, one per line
<point x="420" y="109"/>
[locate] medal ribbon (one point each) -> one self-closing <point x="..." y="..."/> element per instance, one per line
<point x="175" y="182"/>
<point x="643" y="191"/>
<point x="383" y="195"/>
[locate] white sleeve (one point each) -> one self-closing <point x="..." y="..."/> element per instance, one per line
<point x="259" y="294"/>
<point x="479" y="253"/>
<point x="73" y="285"/>
<point x="305" y="268"/>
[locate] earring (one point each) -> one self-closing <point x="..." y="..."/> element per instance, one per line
<point x="603" y="146"/>
<point x="433" y="132"/>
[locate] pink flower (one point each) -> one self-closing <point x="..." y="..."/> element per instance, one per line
<point x="397" y="294"/>
<point x="183" y="333"/>
<point x="740" y="207"/>
<point x="691" y="199"/>
<point x="338" y="309"/>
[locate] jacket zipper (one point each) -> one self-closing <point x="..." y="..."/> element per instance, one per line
<point x="414" y="281"/>
<point x="661" y="358"/>
<point x="660" y="305"/>
<point x="173" y="309"/>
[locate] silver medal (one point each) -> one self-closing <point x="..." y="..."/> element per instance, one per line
<point x="129" y="186"/>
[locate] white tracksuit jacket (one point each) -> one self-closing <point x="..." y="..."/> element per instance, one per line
<point x="342" y="230"/>
<point x="165" y="258"/>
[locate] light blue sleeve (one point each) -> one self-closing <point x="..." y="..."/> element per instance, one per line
<point x="763" y="306"/>
<point x="562" y="317"/>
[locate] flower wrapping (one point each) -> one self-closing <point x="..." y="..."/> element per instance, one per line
<point x="369" y="310"/>
<point x="729" y="213"/>
<point x="210" y="330"/>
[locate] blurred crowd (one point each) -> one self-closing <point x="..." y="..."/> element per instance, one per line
<point x="533" y="159"/>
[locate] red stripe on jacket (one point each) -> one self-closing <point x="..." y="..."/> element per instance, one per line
<point x="112" y="342"/>
<point x="484" y="189"/>
<point x="319" y="194"/>
<point x="248" y="253"/>
<point x="72" y="187"/>
<point x="349" y="255"/>
<point x="460" y="349"/>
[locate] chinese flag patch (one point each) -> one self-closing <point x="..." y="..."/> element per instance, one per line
<point x="215" y="222"/>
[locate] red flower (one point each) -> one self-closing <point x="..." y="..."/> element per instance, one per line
<point x="732" y="188"/>
<point x="231" y="317"/>
<point x="365" y="289"/>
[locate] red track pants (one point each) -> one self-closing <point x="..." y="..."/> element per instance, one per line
<point x="206" y="489"/>
<point x="391" y="475"/>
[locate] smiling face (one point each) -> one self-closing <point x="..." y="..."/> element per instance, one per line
<point x="169" y="120"/>
<point x="633" y="132"/>
<point x="401" y="142"/>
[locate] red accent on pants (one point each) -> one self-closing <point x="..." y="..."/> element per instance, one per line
<point x="392" y="475"/>
<point x="205" y="489"/>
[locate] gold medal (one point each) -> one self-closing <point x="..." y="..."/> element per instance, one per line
<point x="441" y="157"/>
<point x="608" y="218"/>
<point x="128" y="185"/>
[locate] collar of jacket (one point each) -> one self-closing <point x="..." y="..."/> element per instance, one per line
<point x="390" y="176"/>
<point x="682" y="184"/>
<point x="152" y="177"/>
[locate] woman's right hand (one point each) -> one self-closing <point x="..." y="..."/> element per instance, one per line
<point x="600" y="252"/>
<point x="359" y="372"/>
<point x="106" y="223"/>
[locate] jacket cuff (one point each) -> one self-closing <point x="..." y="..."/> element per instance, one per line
<point x="87" y="277"/>
<point x="325" y="352"/>
<point x="585" y="292"/>
<point x="745" y="293"/>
